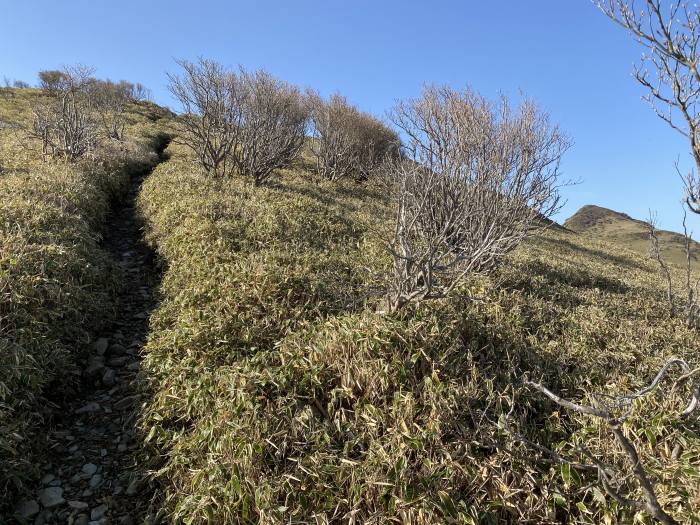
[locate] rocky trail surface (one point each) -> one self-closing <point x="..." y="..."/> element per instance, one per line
<point x="91" y="477"/>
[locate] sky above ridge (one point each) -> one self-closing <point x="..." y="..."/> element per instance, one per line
<point x="563" y="53"/>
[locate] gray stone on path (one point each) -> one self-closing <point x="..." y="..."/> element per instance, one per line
<point x="95" y="481"/>
<point x="48" y="478"/>
<point x="109" y="377"/>
<point x="51" y="497"/>
<point x="46" y="516"/>
<point x="101" y="345"/>
<point x="98" y="512"/>
<point x="95" y="366"/>
<point x="117" y="349"/>
<point x="89" y="469"/>
<point x="117" y="362"/>
<point x="89" y="408"/>
<point x="27" y="508"/>
<point x="78" y="505"/>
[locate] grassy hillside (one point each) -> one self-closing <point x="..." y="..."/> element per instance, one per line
<point x="56" y="284"/>
<point x="279" y="395"/>
<point x="622" y="230"/>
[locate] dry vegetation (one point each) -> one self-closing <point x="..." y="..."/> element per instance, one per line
<point x="280" y="395"/>
<point x="287" y="377"/>
<point x="475" y="180"/>
<point x="56" y="284"/>
<point x="347" y="143"/>
<point x="245" y="122"/>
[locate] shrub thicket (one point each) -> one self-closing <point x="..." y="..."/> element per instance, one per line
<point x="65" y="119"/>
<point x="278" y="394"/>
<point x="348" y="143"/>
<point x="247" y="122"/>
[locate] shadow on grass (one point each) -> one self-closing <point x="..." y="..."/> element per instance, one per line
<point x="619" y="260"/>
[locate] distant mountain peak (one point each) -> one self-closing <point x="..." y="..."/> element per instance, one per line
<point x="590" y="216"/>
<point x="622" y="230"/>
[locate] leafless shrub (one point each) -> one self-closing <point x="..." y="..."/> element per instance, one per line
<point x="249" y="122"/>
<point x="655" y="253"/>
<point x="110" y="100"/>
<point x="613" y="411"/>
<point x="64" y="121"/>
<point x="212" y="113"/>
<point x="274" y="124"/>
<point x="476" y="179"/>
<point x="138" y="92"/>
<point x="347" y="143"/>
<point x="9" y="85"/>
<point x="671" y="33"/>
<point x="691" y="307"/>
<point x="52" y="80"/>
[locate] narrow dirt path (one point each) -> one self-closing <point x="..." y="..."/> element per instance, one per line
<point x="92" y="477"/>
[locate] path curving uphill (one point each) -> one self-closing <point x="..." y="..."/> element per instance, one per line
<point x="92" y="475"/>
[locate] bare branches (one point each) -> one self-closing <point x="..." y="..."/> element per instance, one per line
<point x="656" y="254"/>
<point x="250" y="122"/>
<point x="671" y="33"/>
<point x="110" y="100"/>
<point x="273" y="129"/>
<point x="687" y="374"/>
<point x="346" y="142"/>
<point x="64" y="123"/>
<point x="77" y="107"/>
<point x="475" y="180"/>
<point x="211" y="112"/>
<point x="691" y="307"/>
<point x="606" y="413"/>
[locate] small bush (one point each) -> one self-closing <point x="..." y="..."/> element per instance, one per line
<point x="65" y="122"/>
<point x="475" y="180"/>
<point x="110" y="102"/>
<point x="52" y="81"/>
<point x="274" y="125"/>
<point x="211" y="115"/>
<point x="346" y="142"/>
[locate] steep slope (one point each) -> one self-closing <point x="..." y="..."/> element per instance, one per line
<point x="619" y="229"/>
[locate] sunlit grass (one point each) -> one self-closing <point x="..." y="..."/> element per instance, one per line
<point x="56" y="283"/>
<point x="279" y="395"/>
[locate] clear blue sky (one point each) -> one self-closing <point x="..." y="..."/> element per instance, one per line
<point x="563" y="53"/>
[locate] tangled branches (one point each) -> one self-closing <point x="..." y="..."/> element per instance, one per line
<point x="613" y="412"/>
